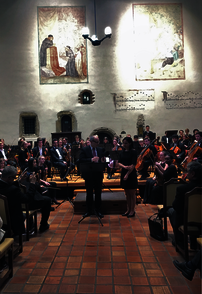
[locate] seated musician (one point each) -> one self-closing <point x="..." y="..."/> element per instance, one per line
<point x="188" y="134"/>
<point x="166" y="139"/>
<point x="155" y="180"/>
<point x="66" y="144"/>
<point x="178" y="148"/>
<point x="11" y="189"/>
<point x="24" y="155"/>
<point x="181" y="133"/>
<point x="41" y="184"/>
<point x="163" y="175"/>
<point x="57" y="157"/>
<point x="148" y="154"/>
<point x="40" y="150"/>
<point x="185" y="141"/>
<point x="176" y="213"/>
<point x="113" y="163"/>
<point x="2" y="166"/>
<point x="5" y="154"/>
<point x="195" y="151"/>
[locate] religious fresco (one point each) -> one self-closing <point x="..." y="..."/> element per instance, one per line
<point x="159" y="42"/>
<point x="62" y="49"/>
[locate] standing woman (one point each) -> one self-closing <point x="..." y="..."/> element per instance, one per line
<point x="127" y="162"/>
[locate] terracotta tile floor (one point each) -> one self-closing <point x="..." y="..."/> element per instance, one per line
<point x="119" y="258"/>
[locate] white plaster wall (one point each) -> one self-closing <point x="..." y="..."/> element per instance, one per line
<point x="110" y="68"/>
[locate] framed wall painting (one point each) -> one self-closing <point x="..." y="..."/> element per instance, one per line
<point x="159" y="42"/>
<point x="62" y="49"/>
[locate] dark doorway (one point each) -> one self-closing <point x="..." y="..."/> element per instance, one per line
<point x="66" y="123"/>
<point x="101" y="136"/>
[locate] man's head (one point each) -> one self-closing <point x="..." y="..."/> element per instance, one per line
<point x="175" y="138"/>
<point x="181" y="132"/>
<point x="146" y="141"/>
<point x="9" y="174"/>
<point x="147" y="128"/>
<point x="40" y="142"/>
<point x="135" y="138"/>
<point x="198" y="136"/>
<point x="77" y="138"/>
<point x="168" y="158"/>
<point x="64" y="141"/>
<point x="194" y="170"/>
<point x="50" y="37"/>
<point x="94" y="140"/>
<point x="55" y="143"/>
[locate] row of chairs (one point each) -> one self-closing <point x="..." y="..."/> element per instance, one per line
<point x="192" y="212"/>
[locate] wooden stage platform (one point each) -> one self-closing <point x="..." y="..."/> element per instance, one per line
<point x="75" y="184"/>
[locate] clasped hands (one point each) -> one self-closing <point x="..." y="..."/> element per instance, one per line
<point x="96" y="159"/>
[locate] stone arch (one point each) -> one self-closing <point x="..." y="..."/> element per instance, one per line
<point x="104" y="132"/>
<point x="59" y="120"/>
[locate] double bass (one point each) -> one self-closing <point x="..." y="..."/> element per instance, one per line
<point x="146" y="152"/>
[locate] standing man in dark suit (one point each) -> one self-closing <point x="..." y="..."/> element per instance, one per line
<point x="41" y="150"/>
<point x="93" y="180"/>
<point x="57" y="157"/>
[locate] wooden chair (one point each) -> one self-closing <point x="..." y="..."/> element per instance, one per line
<point x="192" y="219"/>
<point x="28" y="214"/>
<point x="4" y="213"/>
<point x="6" y="248"/>
<point x="169" y="192"/>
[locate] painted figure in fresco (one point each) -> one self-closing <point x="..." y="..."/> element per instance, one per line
<point x="70" y="66"/>
<point x="47" y="43"/>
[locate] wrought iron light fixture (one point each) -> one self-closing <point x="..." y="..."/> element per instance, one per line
<point x="94" y="39"/>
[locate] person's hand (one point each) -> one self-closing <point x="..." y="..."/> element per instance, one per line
<point x="65" y="162"/>
<point x="125" y="177"/>
<point x="32" y="178"/>
<point x="95" y="159"/>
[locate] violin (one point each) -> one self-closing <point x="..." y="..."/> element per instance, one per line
<point x="146" y="152"/>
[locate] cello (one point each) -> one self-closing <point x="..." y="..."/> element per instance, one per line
<point x="146" y="152"/>
<point x="194" y="151"/>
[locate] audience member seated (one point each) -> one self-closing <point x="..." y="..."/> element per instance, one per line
<point x="163" y="175"/>
<point x="11" y="189"/>
<point x="188" y="268"/>
<point x="176" y="212"/>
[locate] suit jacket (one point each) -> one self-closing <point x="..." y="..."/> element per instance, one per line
<point x="1" y="154"/>
<point x="15" y="197"/>
<point x="55" y="156"/>
<point x="36" y="153"/>
<point x="85" y="157"/>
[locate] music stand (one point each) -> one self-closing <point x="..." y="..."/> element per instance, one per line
<point x="91" y="167"/>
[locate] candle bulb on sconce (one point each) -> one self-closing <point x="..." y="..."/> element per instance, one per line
<point x="94" y="39"/>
